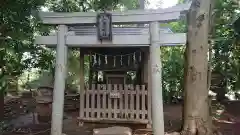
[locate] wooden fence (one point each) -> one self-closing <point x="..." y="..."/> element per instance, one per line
<point x="116" y="103"/>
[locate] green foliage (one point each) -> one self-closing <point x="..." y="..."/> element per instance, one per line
<point x="173" y="66"/>
<point x="18" y="27"/>
<point x="226" y="50"/>
<point x="16" y="32"/>
<point x="173" y="63"/>
<point x="89" y="5"/>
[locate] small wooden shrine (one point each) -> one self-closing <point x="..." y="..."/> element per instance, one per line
<point x="116" y="91"/>
<point x="125" y="83"/>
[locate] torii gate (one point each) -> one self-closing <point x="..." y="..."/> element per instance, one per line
<point x="154" y="39"/>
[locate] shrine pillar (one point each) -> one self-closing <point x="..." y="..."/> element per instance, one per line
<point x="145" y="67"/>
<point x="59" y="82"/>
<point x="155" y="81"/>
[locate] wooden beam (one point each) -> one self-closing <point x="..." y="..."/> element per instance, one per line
<point x="131" y="16"/>
<point x="118" y="40"/>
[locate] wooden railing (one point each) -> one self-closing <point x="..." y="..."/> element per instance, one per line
<point x="117" y="103"/>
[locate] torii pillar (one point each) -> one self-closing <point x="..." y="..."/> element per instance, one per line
<point x="155" y="80"/>
<point x="59" y="81"/>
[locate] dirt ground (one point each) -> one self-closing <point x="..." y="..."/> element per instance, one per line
<point x="17" y="110"/>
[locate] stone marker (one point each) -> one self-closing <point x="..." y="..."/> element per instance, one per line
<point x="113" y="131"/>
<point x="44" y="100"/>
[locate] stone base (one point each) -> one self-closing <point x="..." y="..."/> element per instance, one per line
<point x="112" y="131"/>
<point x="43" y="119"/>
<point x="44" y="112"/>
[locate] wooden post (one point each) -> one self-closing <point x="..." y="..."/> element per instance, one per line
<point x="90" y="76"/>
<point x="140" y="72"/>
<point x="96" y="77"/>
<point x="139" y="75"/>
<point x="142" y="4"/>
<point x="81" y="111"/>
<point x="59" y="83"/>
<point x="146" y="67"/>
<point x="147" y="78"/>
<point x="156" y="80"/>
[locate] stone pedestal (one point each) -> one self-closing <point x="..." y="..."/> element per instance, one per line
<point x="44" y="104"/>
<point x="112" y="131"/>
<point x="44" y="110"/>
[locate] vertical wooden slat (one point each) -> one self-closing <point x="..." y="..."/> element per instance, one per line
<point x="121" y="99"/>
<point x="109" y="101"/>
<point x="81" y="109"/>
<point x="126" y="101"/>
<point x="93" y="101"/>
<point x="132" y="101"/>
<point x="87" y="102"/>
<point x="143" y="101"/>
<point x="137" y="101"/>
<point x="115" y="89"/>
<point x="98" y="100"/>
<point x="104" y="101"/>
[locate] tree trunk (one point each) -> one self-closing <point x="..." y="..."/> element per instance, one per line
<point x="197" y="120"/>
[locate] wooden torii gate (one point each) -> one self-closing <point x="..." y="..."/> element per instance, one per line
<point x="153" y="39"/>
